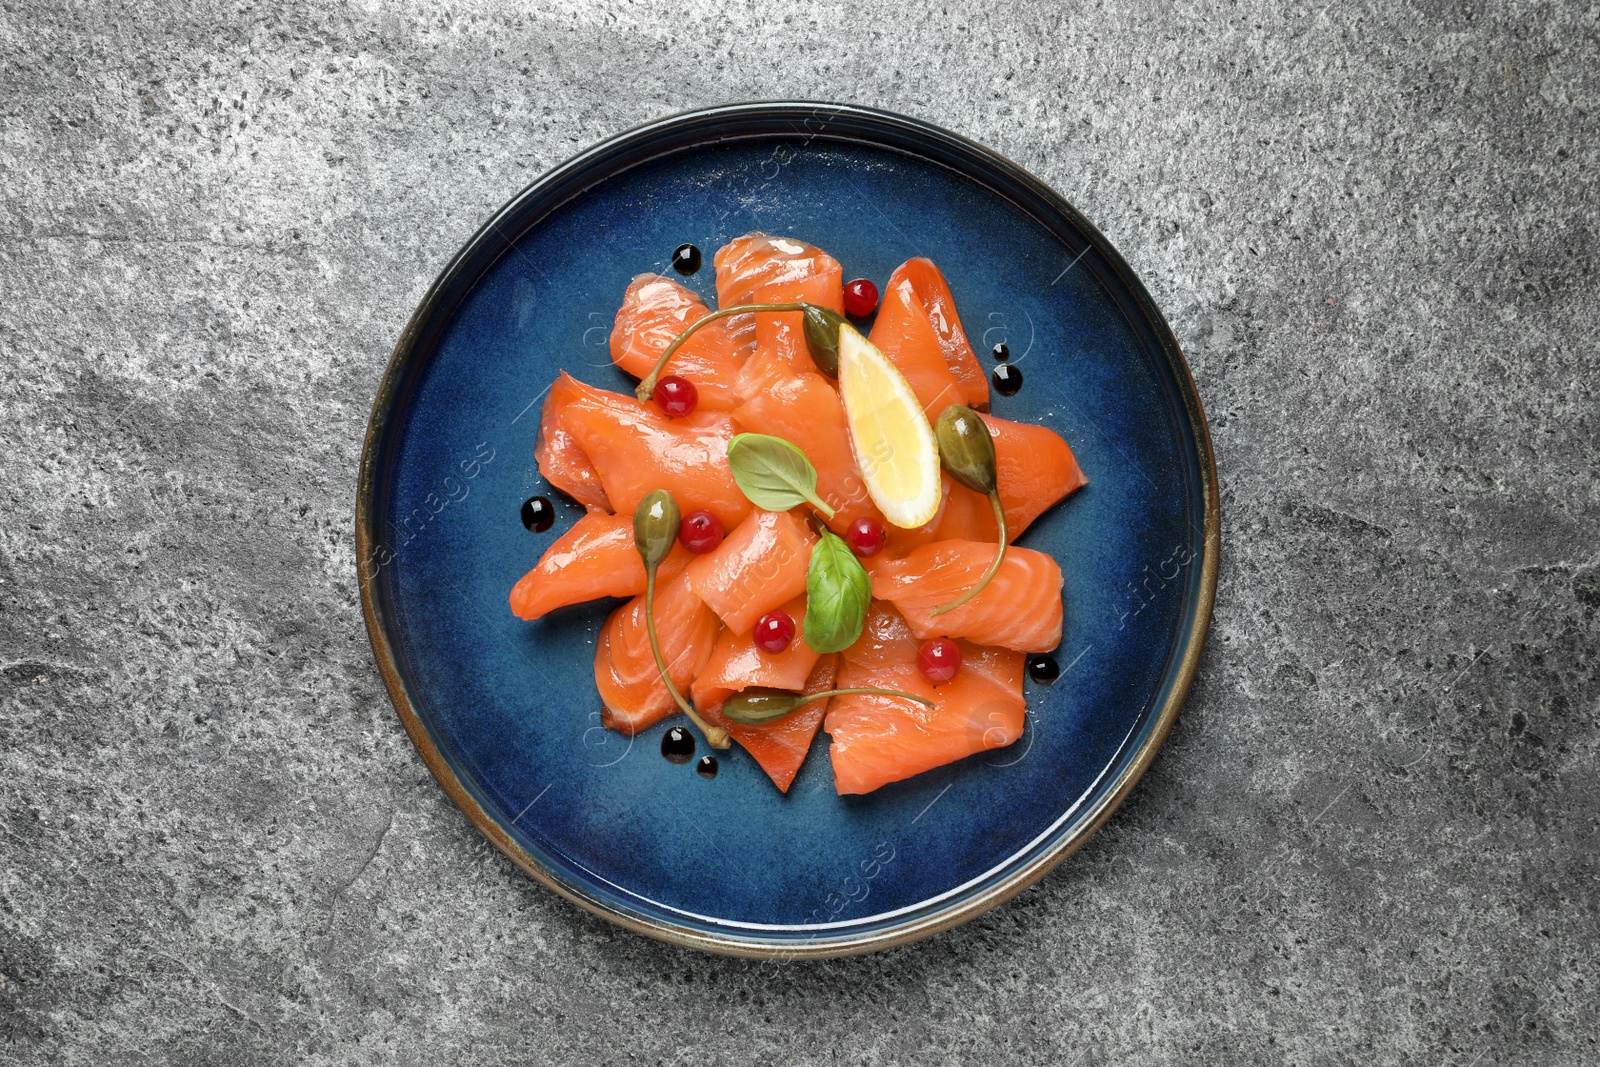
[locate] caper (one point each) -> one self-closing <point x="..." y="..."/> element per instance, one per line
<point x="754" y="707"/>
<point x="966" y="448"/>
<point x="822" y="337"/>
<point x="968" y="454"/>
<point x="655" y="527"/>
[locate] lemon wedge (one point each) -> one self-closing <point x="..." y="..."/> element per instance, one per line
<point x="893" y="443"/>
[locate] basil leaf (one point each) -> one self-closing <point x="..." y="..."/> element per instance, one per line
<point x="838" y="592"/>
<point x="774" y="474"/>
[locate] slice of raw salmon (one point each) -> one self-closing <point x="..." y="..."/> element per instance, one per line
<point x="634" y="449"/>
<point x="877" y="740"/>
<point x="760" y="565"/>
<point x="964" y="516"/>
<point x="904" y="333"/>
<point x="594" y="559"/>
<point x="901" y="541"/>
<point x="804" y="409"/>
<point x="780" y="747"/>
<point x="934" y="292"/>
<point x="625" y="669"/>
<point x="736" y="663"/>
<point x="760" y="268"/>
<point x="1034" y="470"/>
<point x="655" y="310"/>
<point x="562" y="460"/>
<point x="1019" y="609"/>
<point x="781" y="350"/>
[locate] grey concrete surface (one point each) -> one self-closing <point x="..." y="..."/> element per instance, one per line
<point x="1372" y="837"/>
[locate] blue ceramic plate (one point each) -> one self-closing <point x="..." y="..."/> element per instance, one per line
<point x="505" y="712"/>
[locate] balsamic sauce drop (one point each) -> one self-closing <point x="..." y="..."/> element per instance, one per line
<point x="1001" y="352"/>
<point x="707" y="767"/>
<point x="1043" y="669"/>
<point x="677" y="744"/>
<point x="1007" y="379"/>
<point x="537" y="514"/>
<point x="686" y="259"/>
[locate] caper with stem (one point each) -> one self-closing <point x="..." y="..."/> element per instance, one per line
<point x="822" y="337"/>
<point x="821" y="331"/>
<point x="754" y="707"/>
<point x="967" y="452"/>
<point x="655" y="528"/>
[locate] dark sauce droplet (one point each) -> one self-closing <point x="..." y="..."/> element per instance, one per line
<point x="686" y="259"/>
<point x="707" y="767"/>
<point x="537" y="514"/>
<point x="1043" y="669"/>
<point x="1001" y="352"/>
<point x="677" y="744"/>
<point x="1007" y="379"/>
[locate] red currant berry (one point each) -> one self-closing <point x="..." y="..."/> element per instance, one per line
<point x="860" y="298"/>
<point x="700" y="531"/>
<point x="676" y="396"/>
<point x="866" y="537"/>
<point x="774" y="632"/>
<point x="939" y="660"/>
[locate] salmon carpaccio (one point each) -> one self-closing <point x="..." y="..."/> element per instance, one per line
<point x="625" y="668"/>
<point x="1020" y="609"/>
<point x="904" y="333"/>
<point x="781" y="350"/>
<point x="780" y="747"/>
<point x="629" y="449"/>
<point x="561" y="457"/>
<point x="755" y="569"/>
<point x="736" y="664"/>
<point x="1034" y="469"/>
<point x="759" y="268"/>
<point x="877" y="740"/>
<point x="594" y="559"/>
<point x="933" y="292"/>
<point x="754" y="374"/>
<point x="655" y="310"/>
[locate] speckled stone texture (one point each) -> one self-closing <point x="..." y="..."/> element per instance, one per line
<point x="1372" y="836"/>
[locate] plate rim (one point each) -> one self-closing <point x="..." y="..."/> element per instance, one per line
<point x="557" y="183"/>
